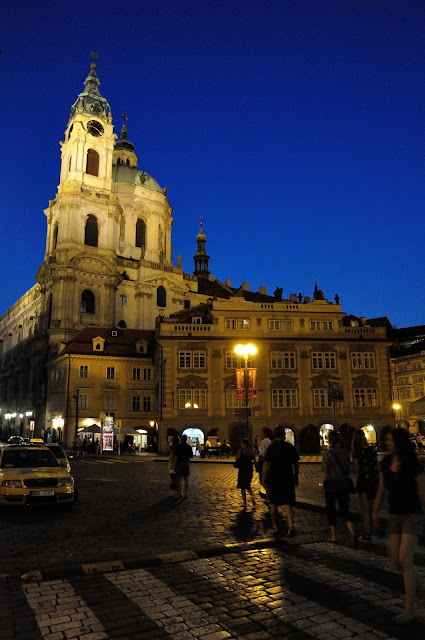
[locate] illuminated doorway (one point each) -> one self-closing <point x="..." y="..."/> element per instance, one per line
<point x="197" y="437"/>
<point x="289" y="436"/>
<point x="324" y="435"/>
<point x="370" y="433"/>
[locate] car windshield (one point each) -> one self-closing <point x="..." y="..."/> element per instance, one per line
<point x="22" y="458"/>
<point x="57" y="450"/>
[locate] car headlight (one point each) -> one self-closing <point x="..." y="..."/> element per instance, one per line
<point x="66" y="482"/>
<point x="11" y="483"/>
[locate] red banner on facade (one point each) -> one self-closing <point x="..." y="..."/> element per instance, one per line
<point x="240" y="383"/>
<point x="240" y="389"/>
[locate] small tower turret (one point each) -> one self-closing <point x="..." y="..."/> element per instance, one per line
<point x="201" y="257"/>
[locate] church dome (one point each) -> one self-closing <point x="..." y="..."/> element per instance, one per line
<point x="133" y="175"/>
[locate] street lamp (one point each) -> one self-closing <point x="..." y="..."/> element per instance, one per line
<point x="246" y="350"/>
<point x="396" y="408"/>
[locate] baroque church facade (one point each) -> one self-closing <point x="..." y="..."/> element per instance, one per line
<point x="109" y="304"/>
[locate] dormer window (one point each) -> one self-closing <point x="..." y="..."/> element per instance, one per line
<point x="196" y="320"/>
<point x="98" y="343"/>
<point x="142" y="346"/>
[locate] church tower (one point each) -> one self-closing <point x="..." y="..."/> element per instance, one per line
<point x="79" y="276"/>
<point x="201" y="257"/>
<point x="108" y="248"/>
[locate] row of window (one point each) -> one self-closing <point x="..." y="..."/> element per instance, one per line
<point x="278" y="360"/>
<point x="137" y="373"/>
<point x="88" y="302"/>
<point x="412" y="366"/>
<point x="237" y="324"/>
<point x="417" y="391"/>
<point x="138" y="403"/>
<point x="91" y="233"/>
<point x="416" y="378"/>
<point x="281" y="398"/>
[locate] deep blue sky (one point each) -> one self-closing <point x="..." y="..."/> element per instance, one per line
<point x="296" y="128"/>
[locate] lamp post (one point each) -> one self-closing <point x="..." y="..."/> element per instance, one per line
<point x="77" y="402"/>
<point x="246" y="350"/>
<point x="396" y="408"/>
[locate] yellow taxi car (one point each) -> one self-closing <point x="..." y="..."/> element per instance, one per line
<point x="32" y="475"/>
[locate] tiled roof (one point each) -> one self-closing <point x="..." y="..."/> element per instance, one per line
<point x="199" y="311"/>
<point x="398" y="350"/>
<point x="214" y="288"/>
<point x="123" y="344"/>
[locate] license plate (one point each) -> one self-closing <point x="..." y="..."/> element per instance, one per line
<point x="42" y="493"/>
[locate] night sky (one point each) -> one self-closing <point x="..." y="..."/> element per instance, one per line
<point x="295" y="128"/>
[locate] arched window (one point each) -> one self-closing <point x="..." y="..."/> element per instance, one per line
<point x="91" y="232"/>
<point x="140" y="233"/>
<point x="161" y="297"/>
<point x="55" y="236"/>
<point x="87" y="302"/>
<point x="92" y="162"/>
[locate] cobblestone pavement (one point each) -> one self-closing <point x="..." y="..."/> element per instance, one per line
<point x="292" y="589"/>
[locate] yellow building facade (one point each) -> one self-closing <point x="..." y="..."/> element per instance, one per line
<point x="301" y="348"/>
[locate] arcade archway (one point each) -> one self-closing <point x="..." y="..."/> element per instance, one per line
<point x="324" y="435"/>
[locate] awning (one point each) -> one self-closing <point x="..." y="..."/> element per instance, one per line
<point x="128" y="431"/>
<point x="94" y="428"/>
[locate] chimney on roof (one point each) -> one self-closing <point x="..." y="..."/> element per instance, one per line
<point x="293" y="297"/>
<point x="228" y="282"/>
<point x="245" y="286"/>
<point x="263" y="291"/>
<point x="211" y="278"/>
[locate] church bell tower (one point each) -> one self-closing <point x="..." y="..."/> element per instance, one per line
<point x="79" y="276"/>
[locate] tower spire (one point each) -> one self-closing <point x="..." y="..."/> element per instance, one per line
<point x="90" y="101"/>
<point x="201" y="257"/>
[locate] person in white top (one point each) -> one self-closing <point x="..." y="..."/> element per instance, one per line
<point x="266" y="440"/>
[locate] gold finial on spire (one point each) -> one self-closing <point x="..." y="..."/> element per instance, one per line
<point x="94" y="57"/>
<point x="202" y="219"/>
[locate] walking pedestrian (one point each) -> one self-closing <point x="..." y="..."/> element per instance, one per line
<point x="266" y="440"/>
<point x="280" y="477"/>
<point x="244" y="461"/>
<point x="183" y="453"/>
<point x="171" y="447"/>
<point x="198" y="446"/>
<point x="335" y="480"/>
<point x="365" y="464"/>
<point x="402" y="477"/>
<point x="76" y="446"/>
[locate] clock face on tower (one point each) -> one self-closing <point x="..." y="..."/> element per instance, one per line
<point x="95" y="128"/>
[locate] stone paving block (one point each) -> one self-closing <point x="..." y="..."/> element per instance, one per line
<point x="65" y="625"/>
<point x="185" y="635"/>
<point x="261" y="616"/>
<point x="218" y="635"/>
<point x="340" y="633"/>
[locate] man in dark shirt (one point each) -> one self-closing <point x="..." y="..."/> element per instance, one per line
<point x="183" y="453"/>
<point x="280" y="477"/>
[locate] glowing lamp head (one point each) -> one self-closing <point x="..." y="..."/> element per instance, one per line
<point x="245" y="350"/>
<point x="396" y="406"/>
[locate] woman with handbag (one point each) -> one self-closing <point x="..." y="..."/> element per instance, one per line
<point x="402" y="477"/>
<point x="244" y="461"/>
<point x="338" y="486"/>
